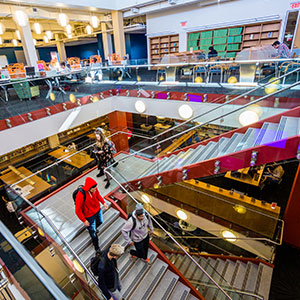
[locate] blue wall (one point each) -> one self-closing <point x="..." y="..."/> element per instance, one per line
<point x="136" y="46"/>
<point x="82" y="51"/>
<point x="10" y="53"/>
<point x="44" y="53"/>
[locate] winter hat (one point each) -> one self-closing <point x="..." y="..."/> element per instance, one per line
<point x="139" y="209"/>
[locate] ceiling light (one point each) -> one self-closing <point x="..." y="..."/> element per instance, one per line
<point x="49" y="34"/>
<point x="77" y="266"/>
<point x="1" y="41"/>
<point x="62" y="20"/>
<point x="2" y="28"/>
<point x="69" y="35"/>
<point x="18" y="34"/>
<point x="34" y="42"/>
<point x="20" y="18"/>
<point x="95" y="21"/>
<point x="140" y="106"/>
<point x="15" y="42"/>
<point x="69" y="29"/>
<point x="229" y="236"/>
<point x="181" y="215"/>
<point x="37" y="28"/>
<point x="248" y="117"/>
<point x="185" y="111"/>
<point x="46" y="40"/>
<point x="145" y="198"/>
<point x="89" y="29"/>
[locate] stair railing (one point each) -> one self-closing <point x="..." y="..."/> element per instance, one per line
<point x="213" y="119"/>
<point x="65" y="243"/>
<point x="175" y="241"/>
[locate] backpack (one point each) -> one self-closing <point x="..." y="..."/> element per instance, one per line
<point x="81" y="190"/>
<point x="130" y="215"/>
<point x="95" y="263"/>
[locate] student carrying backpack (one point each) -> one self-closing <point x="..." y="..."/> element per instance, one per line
<point x="88" y="208"/>
<point x="135" y="232"/>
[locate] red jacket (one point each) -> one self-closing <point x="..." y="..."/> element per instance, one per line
<point x="91" y="204"/>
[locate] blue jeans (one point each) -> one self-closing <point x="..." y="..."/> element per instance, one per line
<point x="117" y="295"/>
<point x="95" y="221"/>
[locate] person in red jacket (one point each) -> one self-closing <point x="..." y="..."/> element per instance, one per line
<point x="89" y="210"/>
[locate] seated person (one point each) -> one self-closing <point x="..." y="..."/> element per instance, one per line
<point x="283" y="50"/>
<point x="201" y="55"/>
<point x="212" y="52"/>
<point x="274" y="175"/>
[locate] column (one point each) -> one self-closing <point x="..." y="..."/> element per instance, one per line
<point x="60" y="45"/>
<point x="106" y="40"/>
<point x="183" y="42"/>
<point x="118" y="122"/>
<point x="119" y="37"/>
<point x="28" y="46"/>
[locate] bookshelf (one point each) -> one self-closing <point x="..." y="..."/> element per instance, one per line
<point x="162" y="45"/>
<point x="229" y="41"/>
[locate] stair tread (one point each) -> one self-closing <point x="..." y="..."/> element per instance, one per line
<point x="165" y="286"/>
<point x="133" y="277"/>
<point x="149" y="282"/>
<point x="264" y="280"/>
<point x="180" y="292"/>
<point x="249" y="285"/>
<point x="81" y="240"/>
<point x="240" y="275"/>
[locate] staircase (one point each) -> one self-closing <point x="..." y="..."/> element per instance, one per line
<point x="138" y="279"/>
<point x="246" y="277"/>
<point x="271" y="140"/>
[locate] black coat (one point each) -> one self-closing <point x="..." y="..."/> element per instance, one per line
<point x="108" y="275"/>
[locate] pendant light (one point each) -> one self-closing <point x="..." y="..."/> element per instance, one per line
<point x="18" y="34"/>
<point x="49" y="34"/>
<point x="2" y="28"/>
<point x="95" y="21"/>
<point x="63" y="20"/>
<point x="69" y="29"/>
<point x="37" y="28"/>
<point x="89" y="29"/>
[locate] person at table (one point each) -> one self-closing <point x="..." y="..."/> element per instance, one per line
<point x="103" y="153"/>
<point x="283" y="50"/>
<point x="212" y="52"/>
<point x="88" y="209"/>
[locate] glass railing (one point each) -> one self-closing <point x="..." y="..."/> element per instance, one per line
<point x="207" y="278"/>
<point x="58" y="91"/>
<point x="29" y="280"/>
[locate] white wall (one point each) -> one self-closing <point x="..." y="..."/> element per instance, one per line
<point x="37" y="130"/>
<point x="219" y="15"/>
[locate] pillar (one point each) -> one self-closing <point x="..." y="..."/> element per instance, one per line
<point x="118" y="122"/>
<point x="119" y="37"/>
<point x="60" y="45"/>
<point x="106" y="40"/>
<point x="28" y="46"/>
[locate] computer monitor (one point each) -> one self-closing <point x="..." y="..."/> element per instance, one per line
<point x="30" y="71"/>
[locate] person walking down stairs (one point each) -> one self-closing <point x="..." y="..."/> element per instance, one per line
<point x="135" y="232"/>
<point x="88" y="208"/>
<point x="108" y="276"/>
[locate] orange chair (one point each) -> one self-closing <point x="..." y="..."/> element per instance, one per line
<point x="115" y="59"/>
<point x="97" y="58"/>
<point x="45" y="65"/>
<point x="74" y="63"/>
<point x="16" y="71"/>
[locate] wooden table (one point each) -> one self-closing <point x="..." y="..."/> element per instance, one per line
<point x="38" y="184"/>
<point x="78" y="160"/>
<point x="246" y="177"/>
